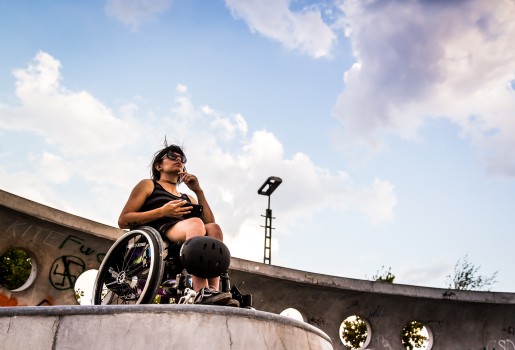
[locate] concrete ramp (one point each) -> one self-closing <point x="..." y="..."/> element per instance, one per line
<point x="153" y="327"/>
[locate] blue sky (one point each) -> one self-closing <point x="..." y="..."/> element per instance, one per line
<point x="391" y="123"/>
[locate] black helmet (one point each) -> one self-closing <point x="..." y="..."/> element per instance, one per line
<point x="205" y="257"/>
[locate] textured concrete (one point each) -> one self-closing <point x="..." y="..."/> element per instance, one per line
<point x="457" y="319"/>
<point x="59" y="242"/>
<point x="62" y="246"/>
<point x="154" y="327"/>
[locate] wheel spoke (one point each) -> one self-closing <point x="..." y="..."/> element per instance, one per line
<point x="128" y="274"/>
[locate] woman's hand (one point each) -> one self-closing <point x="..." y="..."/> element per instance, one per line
<point x="191" y="181"/>
<point x="176" y="208"/>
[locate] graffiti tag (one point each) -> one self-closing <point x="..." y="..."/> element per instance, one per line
<point x="65" y="271"/>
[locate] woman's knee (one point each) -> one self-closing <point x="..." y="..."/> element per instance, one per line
<point x="194" y="227"/>
<point x="186" y="229"/>
<point x="215" y="231"/>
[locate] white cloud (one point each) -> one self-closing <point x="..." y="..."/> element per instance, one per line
<point x="54" y="168"/>
<point x="304" y="30"/>
<point x="83" y="141"/>
<point x="29" y="185"/>
<point x="228" y="126"/>
<point x="378" y="201"/>
<point x="76" y="122"/>
<point x="135" y="12"/>
<point x="230" y="161"/>
<point x="181" y="88"/>
<point x="422" y="59"/>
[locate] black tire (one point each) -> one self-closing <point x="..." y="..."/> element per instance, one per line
<point x="131" y="270"/>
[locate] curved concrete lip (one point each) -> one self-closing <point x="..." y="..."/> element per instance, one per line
<point x="151" y="308"/>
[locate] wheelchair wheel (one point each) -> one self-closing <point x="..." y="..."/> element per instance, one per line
<point x="131" y="270"/>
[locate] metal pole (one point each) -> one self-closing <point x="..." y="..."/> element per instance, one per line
<point x="267" y="189"/>
<point x="268" y="237"/>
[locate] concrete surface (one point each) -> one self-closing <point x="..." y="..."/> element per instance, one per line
<point x="154" y="327"/>
<point x="63" y="246"/>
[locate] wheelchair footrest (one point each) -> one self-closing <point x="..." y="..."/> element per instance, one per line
<point x="245" y="300"/>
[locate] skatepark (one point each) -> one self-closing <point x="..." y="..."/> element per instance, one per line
<point x="45" y="314"/>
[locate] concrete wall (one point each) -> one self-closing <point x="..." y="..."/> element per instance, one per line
<point x="154" y="327"/>
<point x="63" y="245"/>
<point x="456" y="319"/>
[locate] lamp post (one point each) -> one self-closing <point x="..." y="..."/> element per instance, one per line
<point x="268" y="187"/>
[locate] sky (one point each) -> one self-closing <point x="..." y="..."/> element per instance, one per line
<point x="391" y="123"/>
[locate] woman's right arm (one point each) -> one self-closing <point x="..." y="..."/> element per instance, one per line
<point x="130" y="216"/>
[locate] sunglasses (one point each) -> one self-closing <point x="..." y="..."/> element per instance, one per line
<point x="175" y="156"/>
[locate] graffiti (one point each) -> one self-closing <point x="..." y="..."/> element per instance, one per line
<point x="21" y="229"/>
<point x="46" y="302"/>
<point x="510" y="330"/>
<point x="503" y="344"/>
<point x="8" y="301"/>
<point x="65" y="271"/>
<point x="377" y="312"/>
<point x="100" y="257"/>
<point x="83" y="249"/>
<point x="384" y="342"/>
<point x="448" y="294"/>
<point x="318" y="321"/>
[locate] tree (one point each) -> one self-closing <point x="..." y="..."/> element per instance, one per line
<point x="15" y="268"/>
<point x="354" y="332"/>
<point x="466" y="276"/>
<point x="386" y="276"/>
<point x="79" y="294"/>
<point x="412" y="336"/>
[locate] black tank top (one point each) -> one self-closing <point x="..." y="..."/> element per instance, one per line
<point x="157" y="199"/>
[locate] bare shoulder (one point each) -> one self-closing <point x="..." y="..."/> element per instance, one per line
<point x="146" y="183"/>
<point x="145" y="186"/>
<point x="136" y="199"/>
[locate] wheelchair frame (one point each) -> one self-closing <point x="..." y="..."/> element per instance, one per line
<point x="140" y="268"/>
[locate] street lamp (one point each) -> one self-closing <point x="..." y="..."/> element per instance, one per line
<point x="268" y="187"/>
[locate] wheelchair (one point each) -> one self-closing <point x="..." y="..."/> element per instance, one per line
<point x="142" y="268"/>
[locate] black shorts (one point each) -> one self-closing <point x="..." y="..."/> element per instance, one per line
<point x="166" y="226"/>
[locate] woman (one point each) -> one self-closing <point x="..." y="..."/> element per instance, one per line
<point x="158" y="203"/>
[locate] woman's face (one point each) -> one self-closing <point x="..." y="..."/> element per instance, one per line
<point x="172" y="161"/>
<point x="174" y="156"/>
